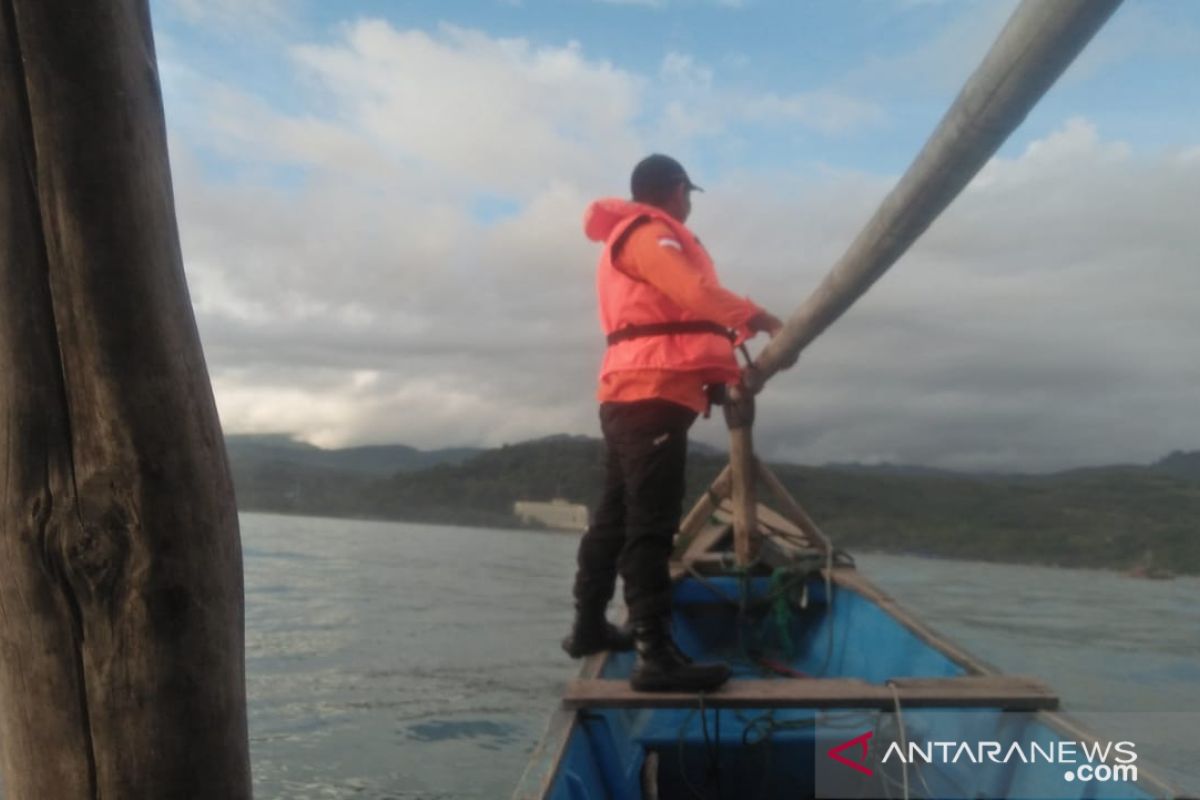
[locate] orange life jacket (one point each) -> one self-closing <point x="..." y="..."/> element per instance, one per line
<point x="627" y="301"/>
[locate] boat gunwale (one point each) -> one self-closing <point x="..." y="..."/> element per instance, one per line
<point x="1058" y="720"/>
<point x="564" y="722"/>
<point x="540" y="774"/>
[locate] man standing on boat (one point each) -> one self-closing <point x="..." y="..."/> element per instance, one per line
<point x="671" y="331"/>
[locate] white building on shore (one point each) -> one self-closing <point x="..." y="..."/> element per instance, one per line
<point x="557" y="514"/>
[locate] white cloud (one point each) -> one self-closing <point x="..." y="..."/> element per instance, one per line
<point x="682" y="69"/>
<point x="939" y="64"/>
<point x="700" y="106"/>
<point x="826" y="111"/>
<point x="500" y="113"/>
<point x="1077" y="145"/>
<point x="1136" y="29"/>
<point x="1046" y="320"/>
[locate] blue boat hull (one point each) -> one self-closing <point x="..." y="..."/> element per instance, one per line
<point x="774" y="752"/>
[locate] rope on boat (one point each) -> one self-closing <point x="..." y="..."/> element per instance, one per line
<point x="903" y="736"/>
<point x="769" y="726"/>
<point x="712" y="754"/>
<point x="780" y="601"/>
<point x="902" y="731"/>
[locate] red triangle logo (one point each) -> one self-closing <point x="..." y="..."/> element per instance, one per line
<point x="861" y="741"/>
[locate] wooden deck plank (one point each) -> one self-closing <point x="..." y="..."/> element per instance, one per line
<point x="971" y="691"/>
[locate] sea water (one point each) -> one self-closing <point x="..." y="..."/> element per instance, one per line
<point x="396" y="660"/>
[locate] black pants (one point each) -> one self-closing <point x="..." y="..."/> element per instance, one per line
<point x="634" y="525"/>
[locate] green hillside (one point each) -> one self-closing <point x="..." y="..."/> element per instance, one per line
<point x="1115" y="517"/>
<point x="377" y="460"/>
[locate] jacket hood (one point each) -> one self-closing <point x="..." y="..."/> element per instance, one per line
<point x="605" y="214"/>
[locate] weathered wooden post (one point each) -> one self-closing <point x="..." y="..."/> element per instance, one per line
<point x="743" y="473"/>
<point x="121" y="627"/>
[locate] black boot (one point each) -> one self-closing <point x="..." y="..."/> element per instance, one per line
<point x="592" y="633"/>
<point x="662" y="667"/>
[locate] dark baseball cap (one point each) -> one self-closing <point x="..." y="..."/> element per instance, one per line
<point x="656" y="175"/>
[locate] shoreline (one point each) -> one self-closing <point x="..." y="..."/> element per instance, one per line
<point x="854" y="552"/>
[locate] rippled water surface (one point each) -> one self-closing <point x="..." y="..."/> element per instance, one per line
<point x="399" y="661"/>
<point x="390" y="660"/>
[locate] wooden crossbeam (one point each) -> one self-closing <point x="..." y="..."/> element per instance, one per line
<point x="698" y="517"/>
<point x="1011" y="692"/>
<point x="781" y="541"/>
<point x="770" y="523"/>
<point x="792" y="510"/>
<point x="706" y="540"/>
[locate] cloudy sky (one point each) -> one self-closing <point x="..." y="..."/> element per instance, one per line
<point x="380" y="209"/>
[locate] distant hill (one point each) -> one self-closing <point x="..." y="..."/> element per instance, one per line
<point x="1115" y="517"/>
<point x="1106" y="517"/>
<point x="1181" y="464"/>
<point x="375" y="460"/>
<point x="886" y="469"/>
<point x="487" y="485"/>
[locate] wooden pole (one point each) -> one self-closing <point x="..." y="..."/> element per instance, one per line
<point x="1040" y="40"/>
<point x="791" y="509"/>
<point x="739" y="418"/>
<point x="121" y="626"/>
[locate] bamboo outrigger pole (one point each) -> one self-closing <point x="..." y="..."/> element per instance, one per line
<point x="1040" y="40"/>
<point x="121" y="626"/>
